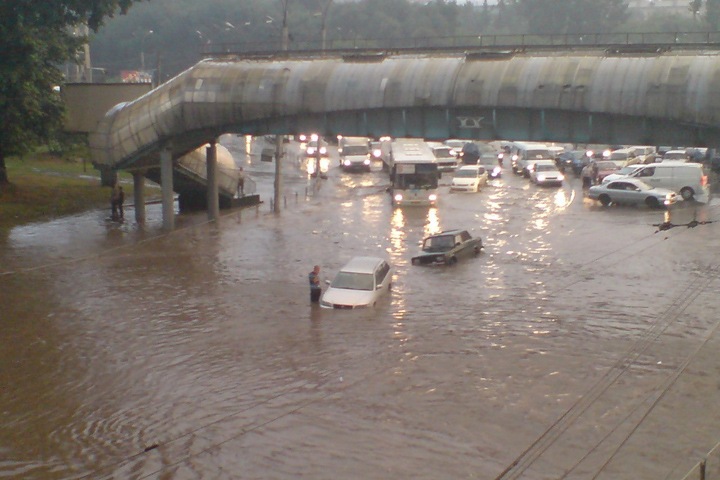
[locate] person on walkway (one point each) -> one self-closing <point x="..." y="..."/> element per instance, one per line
<point x="587" y="176"/>
<point x="315" y="289"/>
<point x="114" y="201"/>
<point x="120" y="202"/>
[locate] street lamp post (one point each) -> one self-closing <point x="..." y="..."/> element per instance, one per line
<point x="142" y="49"/>
<point x="323" y="28"/>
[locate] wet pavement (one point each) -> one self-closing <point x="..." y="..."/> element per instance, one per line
<point x="580" y="344"/>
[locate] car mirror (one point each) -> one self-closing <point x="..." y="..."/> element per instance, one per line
<point x="327" y="282"/>
<point x="378" y="287"/>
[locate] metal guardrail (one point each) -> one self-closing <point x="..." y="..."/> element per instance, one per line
<point x="708" y="40"/>
<point x="708" y="468"/>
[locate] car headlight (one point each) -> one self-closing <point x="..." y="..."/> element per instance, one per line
<point x="311" y="150"/>
<point x="377" y="153"/>
<point x="514" y="158"/>
<point x="347" y="163"/>
<point x="398" y="197"/>
<point x="432" y="197"/>
<point x="323" y="150"/>
<point x="561" y="177"/>
<point x="314" y="137"/>
<point x="541" y="178"/>
<point x="496" y="170"/>
<point x="366" y="161"/>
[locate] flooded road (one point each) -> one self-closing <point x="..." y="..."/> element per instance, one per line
<point x="580" y="344"/>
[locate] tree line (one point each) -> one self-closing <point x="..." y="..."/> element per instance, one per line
<point x="183" y="29"/>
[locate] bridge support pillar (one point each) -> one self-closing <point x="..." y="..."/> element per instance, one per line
<point x="139" y="196"/>
<point x="213" y="197"/>
<point x="166" y="183"/>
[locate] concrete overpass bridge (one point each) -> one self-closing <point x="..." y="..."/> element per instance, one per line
<point x="634" y="94"/>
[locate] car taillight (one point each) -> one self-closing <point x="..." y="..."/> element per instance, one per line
<point x="704" y="180"/>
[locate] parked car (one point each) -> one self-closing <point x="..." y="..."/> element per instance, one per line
<point x="605" y="168"/>
<point x="491" y="162"/>
<point x="566" y="160"/>
<point x="624" y="156"/>
<point x="545" y="172"/>
<point x="359" y="284"/>
<point x="623" y="172"/>
<point x="447" y="247"/>
<point x="675" y="155"/>
<point x="630" y="190"/>
<point x="469" y="178"/>
<point x="445" y="157"/>
<point x="456" y="145"/>
<point x="579" y="162"/>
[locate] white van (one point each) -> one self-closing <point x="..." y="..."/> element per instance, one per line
<point x="526" y="154"/>
<point x="686" y="179"/>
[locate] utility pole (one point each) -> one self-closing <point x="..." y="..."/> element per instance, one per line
<point x="277" y="184"/>
<point x="323" y="30"/>
<point x="285" y="32"/>
<point x="280" y="139"/>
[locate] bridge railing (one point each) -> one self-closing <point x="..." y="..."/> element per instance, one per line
<point x="708" y="468"/>
<point x="500" y="41"/>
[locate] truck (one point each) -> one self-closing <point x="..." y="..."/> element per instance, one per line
<point x="355" y="154"/>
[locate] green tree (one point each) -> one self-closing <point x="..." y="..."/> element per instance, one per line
<point x="572" y="16"/>
<point x="37" y="36"/>
<point x="712" y="14"/>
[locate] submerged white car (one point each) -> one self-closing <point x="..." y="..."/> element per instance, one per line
<point x="359" y="284"/>
<point x="469" y="178"/>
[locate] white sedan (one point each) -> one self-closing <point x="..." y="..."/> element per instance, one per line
<point x="469" y="178"/>
<point x="359" y="284"/>
<point x="545" y="172"/>
<point x="630" y="190"/>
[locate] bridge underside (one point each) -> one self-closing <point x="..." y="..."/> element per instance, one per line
<point x="490" y="124"/>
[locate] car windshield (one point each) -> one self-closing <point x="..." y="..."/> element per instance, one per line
<point x="355" y="150"/>
<point x="467" y="172"/>
<point x="353" y="281"/>
<point x="537" y="154"/>
<point x="443" y="152"/>
<point x="626" y="170"/>
<point x="607" y="166"/>
<point x="439" y="244"/>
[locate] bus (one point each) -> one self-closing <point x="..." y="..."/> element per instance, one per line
<point x="414" y="173"/>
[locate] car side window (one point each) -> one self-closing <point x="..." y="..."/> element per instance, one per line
<point x="647" y="172"/>
<point x="464" y="236"/>
<point x="381" y="273"/>
<point x="616" y="186"/>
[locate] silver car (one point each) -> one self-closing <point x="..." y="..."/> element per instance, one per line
<point x="632" y="191"/>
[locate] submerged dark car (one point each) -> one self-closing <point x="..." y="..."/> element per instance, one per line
<point x="446" y="248"/>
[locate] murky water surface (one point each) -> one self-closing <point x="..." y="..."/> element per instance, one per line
<point x="579" y="344"/>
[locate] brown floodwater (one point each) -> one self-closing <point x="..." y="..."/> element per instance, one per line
<point x="580" y="343"/>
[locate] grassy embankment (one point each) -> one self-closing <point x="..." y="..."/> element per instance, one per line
<point x="43" y="187"/>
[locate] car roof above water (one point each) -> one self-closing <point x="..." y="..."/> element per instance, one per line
<point x="362" y="265"/>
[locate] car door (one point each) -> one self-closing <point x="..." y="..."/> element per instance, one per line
<point x="462" y="244"/>
<point x="382" y="278"/>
